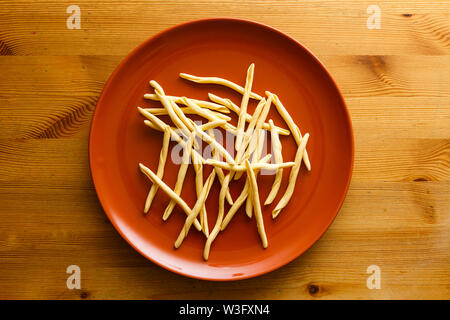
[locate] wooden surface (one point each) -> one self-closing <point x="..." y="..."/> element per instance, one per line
<point x="396" y="82"/>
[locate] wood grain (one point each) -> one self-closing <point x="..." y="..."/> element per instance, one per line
<point x="396" y="82"/>
<point x="328" y="27"/>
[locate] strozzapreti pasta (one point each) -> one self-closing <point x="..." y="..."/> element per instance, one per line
<point x="245" y="160"/>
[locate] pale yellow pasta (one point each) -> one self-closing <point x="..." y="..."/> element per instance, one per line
<point x="209" y="185"/>
<point x="233" y="107"/>
<point x="198" y="168"/>
<point x="195" y="211"/>
<point x="253" y="136"/>
<point x="173" y="130"/>
<point x="212" y="236"/>
<point x="160" y="171"/>
<point x="153" y="126"/>
<point x="201" y="103"/>
<point x="292" y="178"/>
<point x="255" y="197"/>
<point x="228" y="104"/>
<point x="291" y="124"/>
<point x="205" y="113"/>
<point x="249" y="206"/>
<point x="249" y="146"/>
<point x="212" y="125"/>
<point x="250" y="129"/>
<point x="186" y="121"/>
<point x="161" y="125"/>
<point x="220" y="81"/>
<point x="174" y="112"/>
<point x="244" y="104"/>
<point x="154" y="122"/>
<point x="255" y="159"/>
<point x="169" y="107"/>
<point x="263" y="116"/>
<point x="217" y="146"/>
<point x="261" y="134"/>
<point x="219" y="171"/>
<point x="248" y="136"/>
<point x="236" y="205"/>
<point x="278" y="157"/>
<point x="181" y="175"/>
<point x="241" y="198"/>
<point x="255" y="166"/>
<point x="258" y="127"/>
<point x="177" y="138"/>
<point x="208" y="114"/>
<point x="183" y="205"/>
<point x="177" y="114"/>
<point x="204" y="127"/>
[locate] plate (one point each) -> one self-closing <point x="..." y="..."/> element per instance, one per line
<point x="225" y="48"/>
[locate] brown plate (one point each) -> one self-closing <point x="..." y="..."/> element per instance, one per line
<point x="225" y="48"/>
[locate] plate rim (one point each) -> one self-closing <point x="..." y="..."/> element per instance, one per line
<point x="103" y="202"/>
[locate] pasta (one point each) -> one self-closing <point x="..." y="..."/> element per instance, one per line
<point x="169" y="107"/>
<point x="223" y="82"/>
<point x="230" y="105"/>
<point x="253" y="139"/>
<point x="244" y="103"/>
<point x="219" y="171"/>
<point x="240" y="200"/>
<point x="212" y="236"/>
<point x="250" y="135"/>
<point x="194" y="212"/>
<point x="152" y="176"/>
<point x="276" y="146"/>
<point x="201" y="103"/>
<point x="204" y="127"/>
<point x="292" y="177"/>
<point x="208" y="114"/>
<point x="260" y="136"/>
<point x="198" y="168"/>
<point x="160" y="172"/>
<point x="291" y="124"/>
<point x="217" y="146"/>
<point x="155" y="122"/>
<point x="256" y="204"/>
<point x="256" y="165"/>
<point x="181" y="175"/>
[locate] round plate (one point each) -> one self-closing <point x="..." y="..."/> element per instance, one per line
<point x="225" y="48"/>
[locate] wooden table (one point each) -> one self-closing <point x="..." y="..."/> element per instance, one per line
<point x="396" y="82"/>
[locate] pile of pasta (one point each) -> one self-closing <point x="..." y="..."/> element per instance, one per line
<point x="249" y="137"/>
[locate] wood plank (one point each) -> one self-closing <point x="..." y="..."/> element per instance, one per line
<point x="371" y="116"/>
<point x="400" y="117"/>
<point x="39" y="27"/>
<point x="398" y="76"/>
<point x="357" y="76"/>
<point x="376" y="159"/>
<point x="395" y="82"/>
<point x="45" y="76"/>
<point x="413" y="242"/>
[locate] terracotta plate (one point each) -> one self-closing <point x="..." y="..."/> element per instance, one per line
<point x="221" y="47"/>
